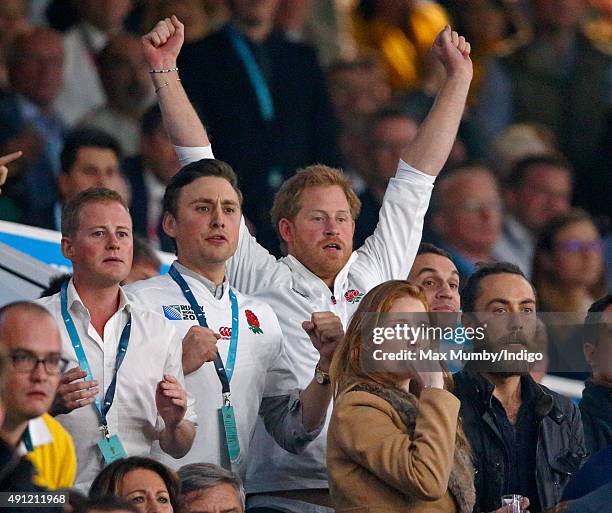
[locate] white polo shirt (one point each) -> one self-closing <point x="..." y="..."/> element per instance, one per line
<point x="261" y="369"/>
<point x="154" y="350"/>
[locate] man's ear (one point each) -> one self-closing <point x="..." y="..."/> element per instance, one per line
<point x="169" y="224"/>
<point x="67" y="248"/>
<point x="62" y="186"/>
<point x="589" y="353"/>
<point x="286" y="229"/>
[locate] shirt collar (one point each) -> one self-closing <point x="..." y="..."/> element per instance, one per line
<point x="39" y="435"/>
<point x="217" y="291"/>
<point x="75" y="301"/>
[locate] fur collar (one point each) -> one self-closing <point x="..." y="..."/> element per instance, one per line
<point x="461" y="480"/>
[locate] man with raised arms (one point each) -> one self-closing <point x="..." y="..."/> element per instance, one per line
<point x="315" y="213"/>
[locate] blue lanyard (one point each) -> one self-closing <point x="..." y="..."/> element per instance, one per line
<point x="101" y="409"/>
<point x="224" y="372"/>
<point x="262" y="92"/>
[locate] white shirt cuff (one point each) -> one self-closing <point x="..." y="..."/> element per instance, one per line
<point x="406" y="172"/>
<point x="189" y="154"/>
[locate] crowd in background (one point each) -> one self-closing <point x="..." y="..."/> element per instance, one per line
<point x="345" y="84"/>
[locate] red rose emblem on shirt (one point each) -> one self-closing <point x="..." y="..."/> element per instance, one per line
<point x="353" y="296"/>
<point x="253" y="322"/>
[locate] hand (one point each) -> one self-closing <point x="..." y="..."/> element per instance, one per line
<point x="162" y="45"/>
<point x="453" y="52"/>
<point x="199" y="346"/>
<point x="325" y="331"/>
<point x="29" y="142"/>
<point x="7" y="159"/>
<point x="508" y="508"/>
<point x="171" y="400"/>
<point x="71" y="395"/>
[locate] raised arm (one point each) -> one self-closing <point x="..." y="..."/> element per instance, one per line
<point x="432" y="145"/>
<point x="161" y="47"/>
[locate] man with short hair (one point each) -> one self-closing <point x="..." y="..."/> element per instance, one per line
<point x="525" y="438"/>
<point x="434" y="270"/>
<point x="466" y="215"/>
<point x="537" y="189"/>
<point x="89" y="158"/>
<point x="30" y="123"/>
<point x="30" y="337"/>
<point x="133" y="354"/>
<point x="596" y="402"/>
<point x="391" y="129"/>
<point x="208" y="488"/>
<point x="316" y="211"/>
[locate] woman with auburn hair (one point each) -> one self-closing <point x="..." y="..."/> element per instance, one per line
<point x="394" y="443"/>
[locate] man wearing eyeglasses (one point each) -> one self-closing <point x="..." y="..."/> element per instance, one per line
<point x="30" y="336"/>
<point x="466" y="215"/>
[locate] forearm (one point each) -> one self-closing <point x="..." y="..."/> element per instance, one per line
<point x="315" y="399"/>
<point x="436" y="136"/>
<point x="182" y="123"/>
<point x="177" y="440"/>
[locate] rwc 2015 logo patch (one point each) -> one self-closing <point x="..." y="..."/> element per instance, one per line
<point x="353" y="296"/>
<point x="180" y="313"/>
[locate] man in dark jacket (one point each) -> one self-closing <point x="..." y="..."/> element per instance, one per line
<point x="525" y="438"/>
<point x="596" y="403"/>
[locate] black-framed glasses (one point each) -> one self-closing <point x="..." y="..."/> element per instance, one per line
<point x="25" y="361"/>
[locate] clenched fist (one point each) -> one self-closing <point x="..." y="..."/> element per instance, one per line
<point x="325" y="331"/>
<point x="199" y="347"/>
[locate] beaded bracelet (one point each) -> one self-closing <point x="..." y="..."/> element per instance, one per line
<point x="163" y="70"/>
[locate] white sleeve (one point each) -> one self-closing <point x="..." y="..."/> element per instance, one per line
<point x="174" y="367"/>
<point x="389" y="252"/>
<point x="189" y="154"/>
<point x="252" y="265"/>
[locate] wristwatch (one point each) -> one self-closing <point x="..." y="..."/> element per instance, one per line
<point x="321" y="377"/>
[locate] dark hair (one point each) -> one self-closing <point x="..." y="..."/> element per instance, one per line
<point x="55" y="284"/>
<point x="86" y="138"/>
<point x="109" y="503"/>
<point x="594" y="319"/>
<point x="426" y="248"/>
<point x="471" y="290"/>
<point x="151" y="120"/>
<point x="143" y="252"/>
<point x="190" y="173"/>
<point x="107" y="481"/>
<point x="518" y="172"/>
<point x="72" y="209"/>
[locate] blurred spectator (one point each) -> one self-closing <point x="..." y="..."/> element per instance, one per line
<point x="90" y="158"/>
<point x="401" y="32"/>
<point x="209" y="488"/>
<point x="536" y="190"/>
<point x="596" y="403"/>
<point x="519" y="141"/>
<point x="466" y="215"/>
<point x="4" y="161"/>
<point x="357" y="89"/>
<point x="29" y="122"/>
<point x="13" y="21"/>
<point x="562" y="80"/>
<point x="106" y="504"/>
<point x="144" y="482"/>
<point x="390" y="132"/>
<point x="82" y="90"/>
<point x="30" y="336"/>
<point x="148" y="174"/>
<point x="145" y="263"/>
<point x="595" y="473"/>
<point x="264" y="98"/>
<point x="568" y="269"/>
<point x="125" y="79"/>
<point x="55" y="284"/>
